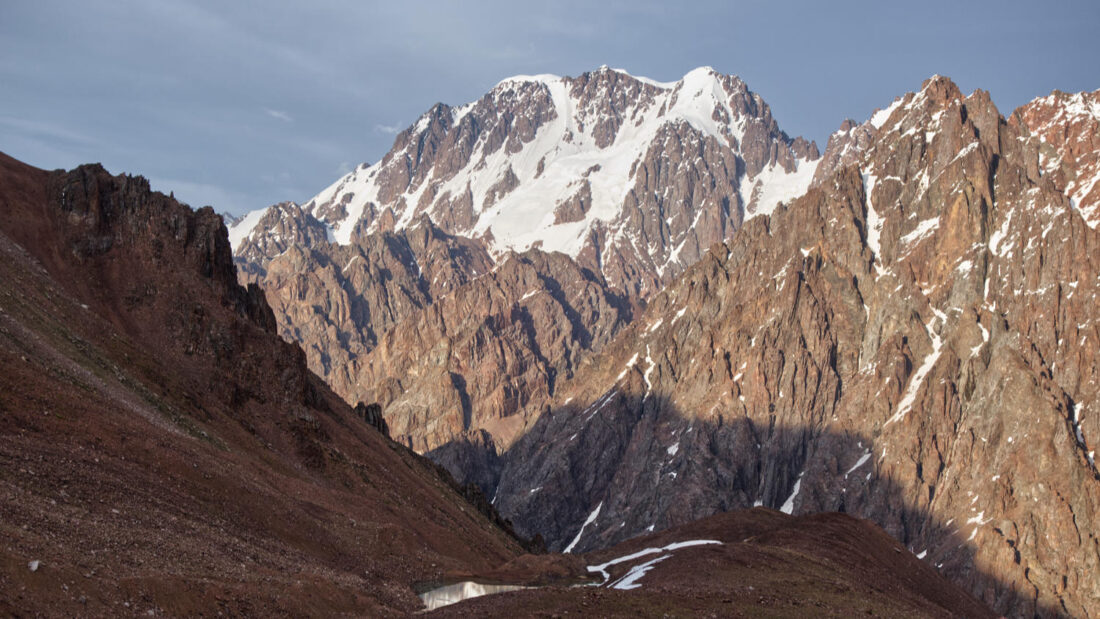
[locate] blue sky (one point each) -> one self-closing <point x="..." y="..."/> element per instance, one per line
<point x="242" y="104"/>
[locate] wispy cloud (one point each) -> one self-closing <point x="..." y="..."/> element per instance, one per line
<point x="283" y="116"/>
<point x="54" y="131"/>
<point x="388" y="129"/>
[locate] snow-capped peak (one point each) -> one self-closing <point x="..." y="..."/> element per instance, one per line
<point x="554" y="162"/>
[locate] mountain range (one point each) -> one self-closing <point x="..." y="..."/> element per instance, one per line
<point x="165" y="453"/>
<point x="597" y="330"/>
<point x="619" y="306"/>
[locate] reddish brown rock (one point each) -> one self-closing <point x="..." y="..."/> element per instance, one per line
<point x="911" y="342"/>
<point x="164" y="452"/>
<point x="1068" y="128"/>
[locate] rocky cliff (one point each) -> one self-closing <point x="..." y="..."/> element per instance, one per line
<point x="165" y="453"/>
<point x="913" y="341"/>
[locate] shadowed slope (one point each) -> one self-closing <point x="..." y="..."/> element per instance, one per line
<point x="163" y="450"/>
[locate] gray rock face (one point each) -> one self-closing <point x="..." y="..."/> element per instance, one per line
<point x="912" y="342"/>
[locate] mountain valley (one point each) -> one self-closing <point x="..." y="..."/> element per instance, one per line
<point x="624" y="344"/>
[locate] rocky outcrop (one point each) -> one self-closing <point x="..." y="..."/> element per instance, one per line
<point x="487" y="357"/>
<point x="337" y="301"/>
<point x="913" y="342"/>
<point x="845" y="148"/>
<point x="372" y="415"/>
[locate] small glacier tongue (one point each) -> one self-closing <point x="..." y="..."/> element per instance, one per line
<point x="452" y="594"/>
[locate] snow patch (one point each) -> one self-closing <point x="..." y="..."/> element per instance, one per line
<point x="923" y="229"/>
<point x="452" y="594"/>
<point x="591" y="518"/>
<point x="874" y="224"/>
<point x="774" y="185"/>
<point x="630" y="580"/>
<point x="242" y="230"/>
<point x="879" y="118"/>
<point x="602" y="568"/>
<point x="906" y="403"/>
<point x="862" y="460"/>
<point x="788" y="505"/>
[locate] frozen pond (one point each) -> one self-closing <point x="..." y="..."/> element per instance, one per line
<point x="450" y="594"/>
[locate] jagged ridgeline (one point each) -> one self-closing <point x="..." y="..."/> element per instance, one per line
<point x="620" y="305"/>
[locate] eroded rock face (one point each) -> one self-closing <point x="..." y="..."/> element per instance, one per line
<point x="912" y="342"/>
<point x="452" y="346"/>
<point x="337" y="301"/>
<point x="489" y="355"/>
<point x="608" y="185"/>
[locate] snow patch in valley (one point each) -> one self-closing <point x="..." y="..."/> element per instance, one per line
<point x="630" y="580"/>
<point x="602" y="568"/>
<point x="457" y="592"/>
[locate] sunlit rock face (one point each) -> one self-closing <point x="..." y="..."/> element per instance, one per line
<point x="913" y="341"/>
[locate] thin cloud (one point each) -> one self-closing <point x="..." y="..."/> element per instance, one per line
<point x="388" y="129"/>
<point x="52" y="131"/>
<point x="283" y="116"/>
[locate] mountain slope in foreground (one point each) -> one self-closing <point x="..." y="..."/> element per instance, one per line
<point x="163" y="450"/>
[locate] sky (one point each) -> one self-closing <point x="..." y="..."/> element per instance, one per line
<point x="243" y="104"/>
